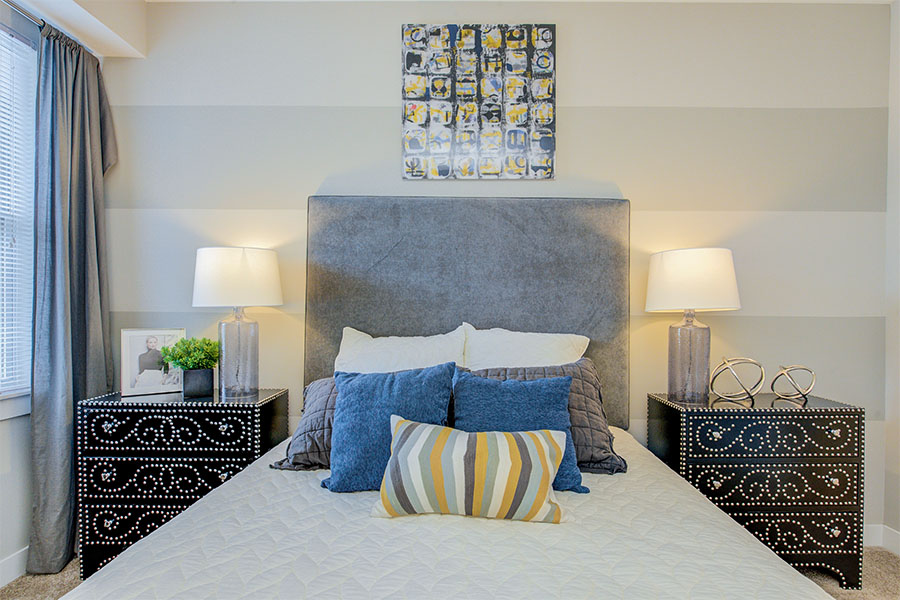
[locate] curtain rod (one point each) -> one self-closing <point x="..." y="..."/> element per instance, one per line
<point x="37" y="21"/>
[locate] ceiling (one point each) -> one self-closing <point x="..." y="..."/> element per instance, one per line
<point x="551" y="1"/>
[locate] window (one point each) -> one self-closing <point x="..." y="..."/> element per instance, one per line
<point x="18" y="86"/>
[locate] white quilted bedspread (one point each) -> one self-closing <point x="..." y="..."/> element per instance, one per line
<point x="277" y="534"/>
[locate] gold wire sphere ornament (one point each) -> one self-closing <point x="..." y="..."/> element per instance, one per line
<point x="800" y="392"/>
<point x="727" y="366"/>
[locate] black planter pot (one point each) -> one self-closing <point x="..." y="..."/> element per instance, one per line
<point x="198" y="383"/>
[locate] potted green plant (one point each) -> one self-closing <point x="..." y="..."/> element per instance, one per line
<point x="196" y="357"/>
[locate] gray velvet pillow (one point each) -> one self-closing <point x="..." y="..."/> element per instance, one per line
<point x="310" y="447"/>
<point x="590" y="429"/>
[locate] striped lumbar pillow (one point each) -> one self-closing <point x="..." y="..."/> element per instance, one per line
<point x="496" y="474"/>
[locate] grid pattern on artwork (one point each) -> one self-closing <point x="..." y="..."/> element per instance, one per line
<point x="479" y="101"/>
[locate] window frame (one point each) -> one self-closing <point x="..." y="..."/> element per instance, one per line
<point x="17" y="402"/>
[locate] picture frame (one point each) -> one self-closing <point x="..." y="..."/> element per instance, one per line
<point x="479" y="101"/>
<point x="142" y="370"/>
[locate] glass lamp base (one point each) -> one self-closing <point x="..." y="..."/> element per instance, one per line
<point x="238" y="356"/>
<point x="689" y="360"/>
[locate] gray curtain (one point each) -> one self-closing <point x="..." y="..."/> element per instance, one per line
<point x="72" y="359"/>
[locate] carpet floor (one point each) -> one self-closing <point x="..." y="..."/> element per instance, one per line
<point x="881" y="581"/>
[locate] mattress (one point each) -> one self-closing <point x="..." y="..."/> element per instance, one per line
<point x="277" y="534"/>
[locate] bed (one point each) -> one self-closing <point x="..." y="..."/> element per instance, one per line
<point x="412" y="266"/>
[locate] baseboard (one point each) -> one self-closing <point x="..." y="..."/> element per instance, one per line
<point x="882" y="535"/>
<point x="13" y="566"/>
<point x="890" y="539"/>
<point x="872" y="534"/>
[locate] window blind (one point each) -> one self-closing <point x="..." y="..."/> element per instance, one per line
<point x="18" y="89"/>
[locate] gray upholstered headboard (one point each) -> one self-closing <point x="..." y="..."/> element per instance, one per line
<point x="420" y="266"/>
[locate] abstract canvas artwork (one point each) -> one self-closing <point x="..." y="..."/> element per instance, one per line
<point x="479" y="101"/>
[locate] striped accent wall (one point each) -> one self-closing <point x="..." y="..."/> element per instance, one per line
<point x="762" y="128"/>
<point x="496" y="475"/>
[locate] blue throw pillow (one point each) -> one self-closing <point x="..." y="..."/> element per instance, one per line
<point x="481" y="404"/>
<point x="361" y="433"/>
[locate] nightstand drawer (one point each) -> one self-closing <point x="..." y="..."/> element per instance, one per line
<point x="773" y="436"/>
<point x="157" y="479"/>
<point x="778" y="485"/>
<point x="791" y="473"/>
<point x="805" y="533"/>
<point x="92" y="557"/>
<point x="206" y="431"/>
<point x="142" y="460"/>
<point x="107" y="530"/>
<point x="117" y="524"/>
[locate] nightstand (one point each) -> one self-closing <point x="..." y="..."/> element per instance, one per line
<point x="142" y="460"/>
<point x="792" y="475"/>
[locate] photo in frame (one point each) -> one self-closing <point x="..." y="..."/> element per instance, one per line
<point x="142" y="368"/>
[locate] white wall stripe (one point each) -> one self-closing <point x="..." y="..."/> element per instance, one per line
<point x="610" y="54"/>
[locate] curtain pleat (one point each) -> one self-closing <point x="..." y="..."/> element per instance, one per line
<point x="71" y="349"/>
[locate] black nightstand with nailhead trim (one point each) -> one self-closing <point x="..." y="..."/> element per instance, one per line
<point x="791" y="474"/>
<point x="144" y="459"/>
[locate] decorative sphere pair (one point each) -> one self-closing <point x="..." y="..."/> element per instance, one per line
<point x="747" y="392"/>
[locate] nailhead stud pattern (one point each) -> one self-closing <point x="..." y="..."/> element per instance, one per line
<point x="793" y="477"/>
<point x="141" y="464"/>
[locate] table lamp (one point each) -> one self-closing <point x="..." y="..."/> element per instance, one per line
<point x="692" y="280"/>
<point x="237" y="277"/>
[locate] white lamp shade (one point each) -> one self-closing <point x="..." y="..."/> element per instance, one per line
<point x="236" y="277"/>
<point x="698" y="279"/>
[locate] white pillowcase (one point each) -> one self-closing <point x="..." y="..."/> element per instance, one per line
<point x="362" y="353"/>
<point x="491" y="348"/>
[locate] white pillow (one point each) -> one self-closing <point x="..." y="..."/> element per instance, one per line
<point x="362" y="353"/>
<point x="490" y="348"/>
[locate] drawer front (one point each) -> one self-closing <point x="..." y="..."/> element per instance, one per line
<point x="811" y="435"/>
<point x="117" y="524"/>
<point x="157" y="432"/>
<point x="92" y="557"/>
<point x="778" y="485"/>
<point x="154" y="479"/>
<point x="805" y="533"/>
<point x="107" y="530"/>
